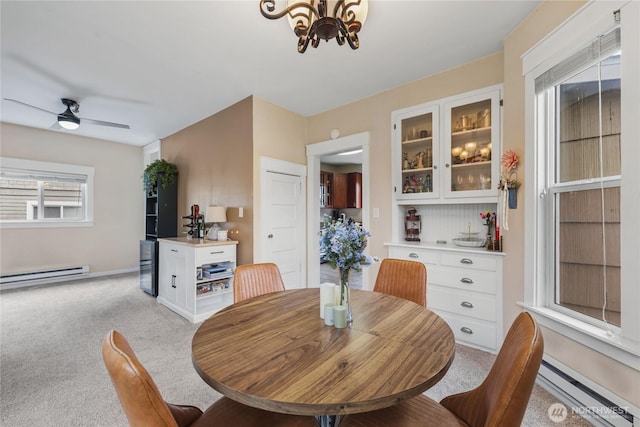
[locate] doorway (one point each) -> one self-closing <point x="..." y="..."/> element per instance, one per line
<point x="326" y="153"/>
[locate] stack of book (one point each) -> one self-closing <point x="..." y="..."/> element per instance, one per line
<point x="215" y="271"/>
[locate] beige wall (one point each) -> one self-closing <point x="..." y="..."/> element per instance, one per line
<point x="538" y="24"/>
<point x="218" y="161"/>
<point x="112" y="243"/>
<point x="214" y="159"/>
<point x="373" y="114"/>
<point x="616" y="377"/>
<point x="278" y="134"/>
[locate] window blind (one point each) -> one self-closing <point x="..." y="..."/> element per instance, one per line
<point x="32" y="175"/>
<point x="603" y="46"/>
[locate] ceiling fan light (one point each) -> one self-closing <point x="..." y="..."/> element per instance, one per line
<point x="68" y="120"/>
<point x="69" y="124"/>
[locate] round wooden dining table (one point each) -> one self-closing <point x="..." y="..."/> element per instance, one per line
<point x="274" y="352"/>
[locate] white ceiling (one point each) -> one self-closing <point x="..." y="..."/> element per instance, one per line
<point x="161" y="66"/>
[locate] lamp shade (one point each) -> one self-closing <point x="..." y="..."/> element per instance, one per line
<point x="216" y="214"/>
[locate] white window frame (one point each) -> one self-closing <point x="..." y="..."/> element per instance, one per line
<point x="44" y="167"/>
<point x="621" y="344"/>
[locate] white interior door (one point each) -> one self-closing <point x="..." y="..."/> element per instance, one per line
<point x="284" y="209"/>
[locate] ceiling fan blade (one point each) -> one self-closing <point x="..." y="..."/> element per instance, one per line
<point x="103" y="123"/>
<point x="29" y="105"/>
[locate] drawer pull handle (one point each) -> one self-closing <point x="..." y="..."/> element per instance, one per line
<point x="414" y="255"/>
<point x="466" y="261"/>
<point x="466" y="281"/>
<point x="174" y="250"/>
<point x="216" y="252"/>
<point x="466" y="304"/>
<point x="466" y="330"/>
<point x="173" y="280"/>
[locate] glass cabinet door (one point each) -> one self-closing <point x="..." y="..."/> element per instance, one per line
<point x="473" y="136"/>
<point x="417" y="163"/>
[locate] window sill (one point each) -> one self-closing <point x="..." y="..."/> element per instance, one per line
<point x="621" y="349"/>
<point x="46" y="224"/>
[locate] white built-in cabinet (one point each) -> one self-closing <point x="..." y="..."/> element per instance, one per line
<point x="447" y="151"/>
<point x="464" y="287"/>
<point x="195" y="277"/>
<point x="446" y="166"/>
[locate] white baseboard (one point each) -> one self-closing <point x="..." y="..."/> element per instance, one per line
<point x="62" y="279"/>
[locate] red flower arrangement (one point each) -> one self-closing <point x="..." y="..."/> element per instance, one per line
<point x="488" y="218"/>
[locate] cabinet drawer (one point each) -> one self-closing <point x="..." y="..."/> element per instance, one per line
<point x="469" y="304"/>
<point x="168" y="249"/>
<point x="470" y="280"/>
<point x="471" y="331"/>
<point x="414" y="254"/>
<point x="213" y="254"/>
<point x="468" y="260"/>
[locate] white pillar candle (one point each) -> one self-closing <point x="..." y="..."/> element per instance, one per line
<point x="326" y="296"/>
<point x="336" y="294"/>
<point x="328" y="314"/>
<point x="340" y="316"/>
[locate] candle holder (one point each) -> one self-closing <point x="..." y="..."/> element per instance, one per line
<point x="495" y="245"/>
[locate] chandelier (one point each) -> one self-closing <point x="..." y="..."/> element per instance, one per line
<point x="313" y="20"/>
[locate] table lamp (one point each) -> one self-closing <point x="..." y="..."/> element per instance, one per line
<point x="214" y="215"/>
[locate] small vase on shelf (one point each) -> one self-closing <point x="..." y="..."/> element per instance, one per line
<point x="345" y="294"/>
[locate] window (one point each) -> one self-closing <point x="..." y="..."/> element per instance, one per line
<point x="581" y="263"/>
<point x="36" y="194"/>
<point x="578" y="104"/>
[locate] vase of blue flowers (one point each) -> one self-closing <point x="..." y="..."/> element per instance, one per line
<point x="342" y="245"/>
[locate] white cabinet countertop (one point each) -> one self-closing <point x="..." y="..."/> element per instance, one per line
<point x="187" y="241"/>
<point x="449" y="246"/>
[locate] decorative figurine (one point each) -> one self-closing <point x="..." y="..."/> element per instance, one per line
<point x="412" y="225"/>
<point x="421" y="155"/>
<point x="405" y="161"/>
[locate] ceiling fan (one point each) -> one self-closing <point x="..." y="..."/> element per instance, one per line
<point x="67" y="119"/>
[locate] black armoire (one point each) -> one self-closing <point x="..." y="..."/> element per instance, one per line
<point x="161" y="220"/>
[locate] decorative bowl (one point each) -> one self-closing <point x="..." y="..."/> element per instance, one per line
<point x="469" y="242"/>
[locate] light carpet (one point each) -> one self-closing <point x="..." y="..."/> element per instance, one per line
<point x="51" y="369"/>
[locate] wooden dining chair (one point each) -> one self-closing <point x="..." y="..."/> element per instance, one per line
<point x="251" y="280"/>
<point x="144" y="406"/>
<point x="501" y="399"/>
<point x="404" y="279"/>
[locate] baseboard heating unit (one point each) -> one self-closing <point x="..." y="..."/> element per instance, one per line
<point x="580" y="397"/>
<point x="11" y="281"/>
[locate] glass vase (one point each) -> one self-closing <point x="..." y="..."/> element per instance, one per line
<point x="489" y="237"/>
<point x="345" y="293"/>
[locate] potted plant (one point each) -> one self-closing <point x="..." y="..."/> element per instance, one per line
<point x="159" y="169"/>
